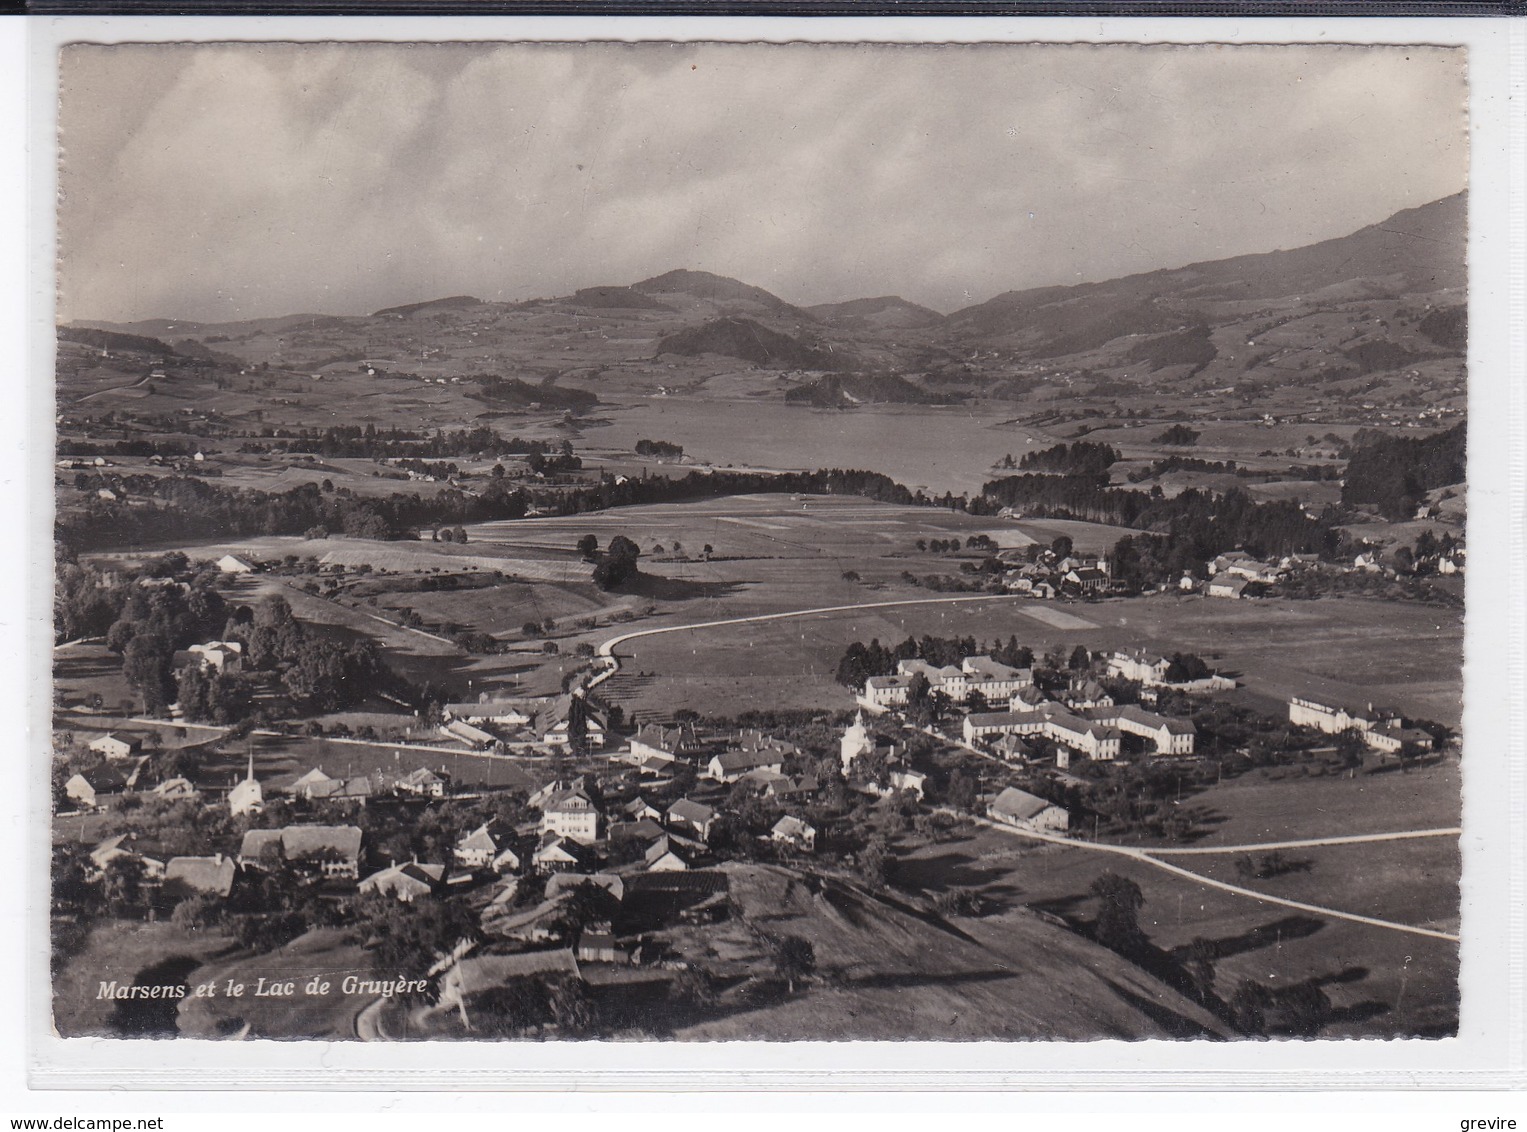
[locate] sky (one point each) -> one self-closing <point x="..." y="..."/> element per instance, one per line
<point x="231" y="181"/>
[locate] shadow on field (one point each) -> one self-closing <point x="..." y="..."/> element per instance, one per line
<point x="153" y="1017"/>
<point x="1063" y="907"/>
<point x="1357" y="1012"/>
<point x="658" y="588"/>
<point x="86" y="667"/>
<point x="1265" y="935"/>
<point x="946" y="871"/>
<point x="1169" y="1020"/>
<point x="898" y="980"/>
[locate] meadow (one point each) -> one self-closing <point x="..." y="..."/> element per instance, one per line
<point x="1380" y="982"/>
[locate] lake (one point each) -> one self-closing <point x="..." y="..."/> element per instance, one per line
<point x="937" y="449"/>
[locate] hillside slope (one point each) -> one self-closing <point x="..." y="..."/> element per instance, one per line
<point x="886" y="972"/>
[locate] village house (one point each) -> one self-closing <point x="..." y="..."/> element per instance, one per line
<point x="475" y="974"/>
<point x="481" y="849"/>
<point x="696" y="817"/>
<point x="669" y="743"/>
<point x="1239" y="564"/>
<point x="913" y="780"/>
<point x="117" y="745"/>
<point x="111" y="850"/>
<point x="496" y="713"/>
<point x="1138" y="666"/>
<point x="792" y="831"/>
<point x="87" y="788"/>
<point x="881" y="692"/>
<point x="175" y="789"/>
<point x="1393" y="739"/>
<point x="572" y="814"/>
<point x="1170" y="736"/>
<point x="1333" y="720"/>
<point x="554" y="724"/>
<point x="405" y="883"/>
<point x="638" y="809"/>
<point x="1084" y="736"/>
<point x="1084" y="694"/>
<point x="211" y="876"/>
<point x="472" y="736"/>
<point x="330" y="851"/>
<point x="557" y="854"/>
<point x="667" y="855"/>
<point x="1023" y="810"/>
<point x="729" y="766"/>
<point x="230" y="564"/>
<point x="424" y="783"/>
<point x="596" y="944"/>
<point x="219" y="656"/>
<point x="1087" y="579"/>
<point x="1225" y="586"/>
<point x="993" y="680"/>
<point x="562" y="884"/>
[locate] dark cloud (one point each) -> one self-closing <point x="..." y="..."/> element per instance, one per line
<point x="230" y="181"/>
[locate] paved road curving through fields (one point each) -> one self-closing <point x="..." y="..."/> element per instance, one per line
<point x="1146" y="856"/>
<point x="607" y="649"/>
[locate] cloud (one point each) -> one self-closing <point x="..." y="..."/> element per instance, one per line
<point x="243" y="180"/>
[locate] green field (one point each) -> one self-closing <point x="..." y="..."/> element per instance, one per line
<point x="1282" y="805"/>
<point x="1353" y="650"/>
<point x="1381" y="982"/>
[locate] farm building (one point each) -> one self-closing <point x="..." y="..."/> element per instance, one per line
<point x="213" y="876"/>
<point x="116" y="745"/>
<point x="1023" y="810"/>
<point x="478" y="973"/>
<point x="790" y="830"/>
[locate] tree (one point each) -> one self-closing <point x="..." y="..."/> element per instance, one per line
<point x="1061" y="547"/>
<point x="146" y="665"/>
<point x="961" y="793"/>
<point x="1080" y="659"/>
<point x="794" y="958"/>
<point x="588" y="546"/>
<point x="693" y="989"/>
<point x="1351" y="747"/>
<point x="1118" y="921"/>
<point x="919" y="692"/>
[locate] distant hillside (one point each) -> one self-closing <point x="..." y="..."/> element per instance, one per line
<point x="745" y="339"/>
<point x="1418" y="250"/>
<point x="889" y="312"/>
<point x="430" y="306"/>
<point x="615" y="298"/>
<point x="114" y="340"/>
<point x="719" y="290"/>
<point x="512" y="393"/>
<point x="836" y="391"/>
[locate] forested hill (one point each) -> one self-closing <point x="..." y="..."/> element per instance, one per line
<point x="1395" y="473"/>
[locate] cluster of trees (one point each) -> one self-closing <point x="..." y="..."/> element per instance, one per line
<point x="617" y="564"/>
<point x="860" y="661"/>
<point x="1179" y="436"/>
<point x="1080" y="458"/>
<point x="371" y="443"/>
<point x="1165" y="464"/>
<point x="953" y="545"/>
<point x="659" y="449"/>
<point x="188" y="507"/>
<point x="1395" y="473"/>
<point x="1195" y="525"/>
